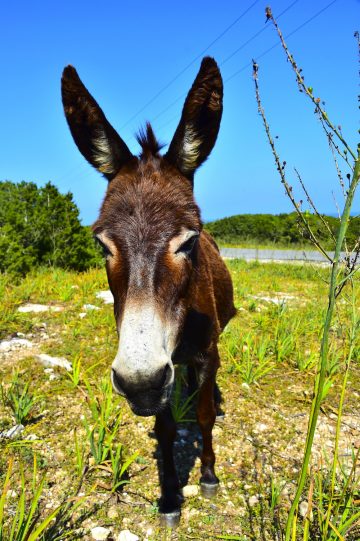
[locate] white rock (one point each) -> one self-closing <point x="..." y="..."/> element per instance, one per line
<point x="90" y="307"/>
<point x="106" y="296"/>
<point x="36" y="308"/>
<point x="245" y="386"/>
<point x="304" y="508"/>
<point x="82" y="315"/>
<point x="189" y="491"/>
<point x="33" y="308"/>
<point x="253" y="500"/>
<point x="99" y="533"/>
<point x="183" y="432"/>
<point x="260" y="427"/>
<point x="13" y="432"/>
<point x="126" y="535"/>
<point x="48" y="360"/>
<point x="15" y="343"/>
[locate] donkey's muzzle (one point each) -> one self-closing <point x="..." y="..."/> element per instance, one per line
<point x="146" y="395"/>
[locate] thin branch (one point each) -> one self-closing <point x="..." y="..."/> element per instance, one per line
<point x="334" y="147"/>
<point x="281" y="166"/>
<point x="311" y="203"/>
<point x="306" y="90"/>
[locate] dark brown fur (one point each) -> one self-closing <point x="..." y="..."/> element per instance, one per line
<point x="148" y="203"/>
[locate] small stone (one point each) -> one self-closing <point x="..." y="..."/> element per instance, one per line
<point x="90" y="307"/>
<point x="189" y="491"/>
<point x="245" y="386"/>
<point x="126" y="535"/>
<point x="183" y="432"/>
<point x="261" y="427"/>
<point x="99" y="533"/>
<point x="48" y="360"/>
<point x="253" y="500"/>
<point x="113" y="512"/>
<point x="106" y="296"/>
<point x="32" y="437"/>
<point x="12" y="433"/>
<point x="304" y="508"/>
<point x="82" y="315"/>
<point x="15" y="343"/>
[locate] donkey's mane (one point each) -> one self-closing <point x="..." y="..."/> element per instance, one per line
<point x="148" y="142"/>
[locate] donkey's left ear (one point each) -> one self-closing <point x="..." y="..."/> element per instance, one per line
<point x="199" y="125"/>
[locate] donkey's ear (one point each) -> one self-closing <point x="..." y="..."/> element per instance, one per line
<point x="199" y="125"/>
<point x="94" y="136"/>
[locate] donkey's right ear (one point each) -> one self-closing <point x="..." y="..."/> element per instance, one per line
<point x="94" y="136"/>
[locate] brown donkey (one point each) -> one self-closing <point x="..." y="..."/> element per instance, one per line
<point x="172" y="292"/>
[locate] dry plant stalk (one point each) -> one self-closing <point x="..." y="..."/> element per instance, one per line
<point x="341" y="272"/>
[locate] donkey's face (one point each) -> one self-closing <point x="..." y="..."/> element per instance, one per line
<point x="149" y="227"/>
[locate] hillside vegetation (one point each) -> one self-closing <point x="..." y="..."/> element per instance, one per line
<point x="283" y="230"/>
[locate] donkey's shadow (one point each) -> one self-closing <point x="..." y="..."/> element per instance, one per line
<point x="188" y="442"/>
<point x="187" y="448"/>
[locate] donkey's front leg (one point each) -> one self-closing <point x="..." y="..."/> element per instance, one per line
<point x="165" y="430"/>
<point x="206" y="415"/>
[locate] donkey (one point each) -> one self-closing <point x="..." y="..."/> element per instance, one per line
<point x="172" y="292"/>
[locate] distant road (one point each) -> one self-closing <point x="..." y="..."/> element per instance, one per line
<point x="254" y="254"/>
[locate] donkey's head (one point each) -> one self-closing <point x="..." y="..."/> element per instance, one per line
<point x="149" y="227"/>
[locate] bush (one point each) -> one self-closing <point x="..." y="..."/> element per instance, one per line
<point x="41" y="227"/>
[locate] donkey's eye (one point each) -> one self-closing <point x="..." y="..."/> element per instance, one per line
<point x="188" y="246"/>
<point x="105" y="250"/>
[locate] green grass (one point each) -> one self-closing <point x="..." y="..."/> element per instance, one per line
<point x="86" y="435"/>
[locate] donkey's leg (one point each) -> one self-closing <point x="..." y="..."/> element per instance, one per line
<point x="218" y="401"/>
<point x="206" y="415"/>
<point x="165" y="430"/>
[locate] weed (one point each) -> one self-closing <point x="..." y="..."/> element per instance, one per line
<point x="75" y="373"/>
<point x="276" y="488"/>
<point x="23" y="523"/>
<point x="181" y="407"/>
<point x="18" y="398"/>
<point x="250" y="358"/>
<point x="119" y="466"/>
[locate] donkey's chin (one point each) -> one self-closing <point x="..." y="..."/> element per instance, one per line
<point x="146" y="412"/>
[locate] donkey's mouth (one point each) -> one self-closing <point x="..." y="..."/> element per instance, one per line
<point x="146" y="412"/>
<point x="149" y="407"/>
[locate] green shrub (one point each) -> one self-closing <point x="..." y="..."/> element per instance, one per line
<point x="41" y="227"/>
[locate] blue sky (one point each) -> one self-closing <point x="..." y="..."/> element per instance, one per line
<point x="126" y="52"/>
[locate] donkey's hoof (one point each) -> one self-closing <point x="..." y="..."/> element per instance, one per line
<point x="208" y="490"/>
<point x="170" y="520"/>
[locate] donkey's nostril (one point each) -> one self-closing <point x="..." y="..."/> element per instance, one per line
<point x="162" y="377"/>
<point x="117" y="383"/>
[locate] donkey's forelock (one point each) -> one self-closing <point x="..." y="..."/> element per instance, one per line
<point x="149" y="144"/>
